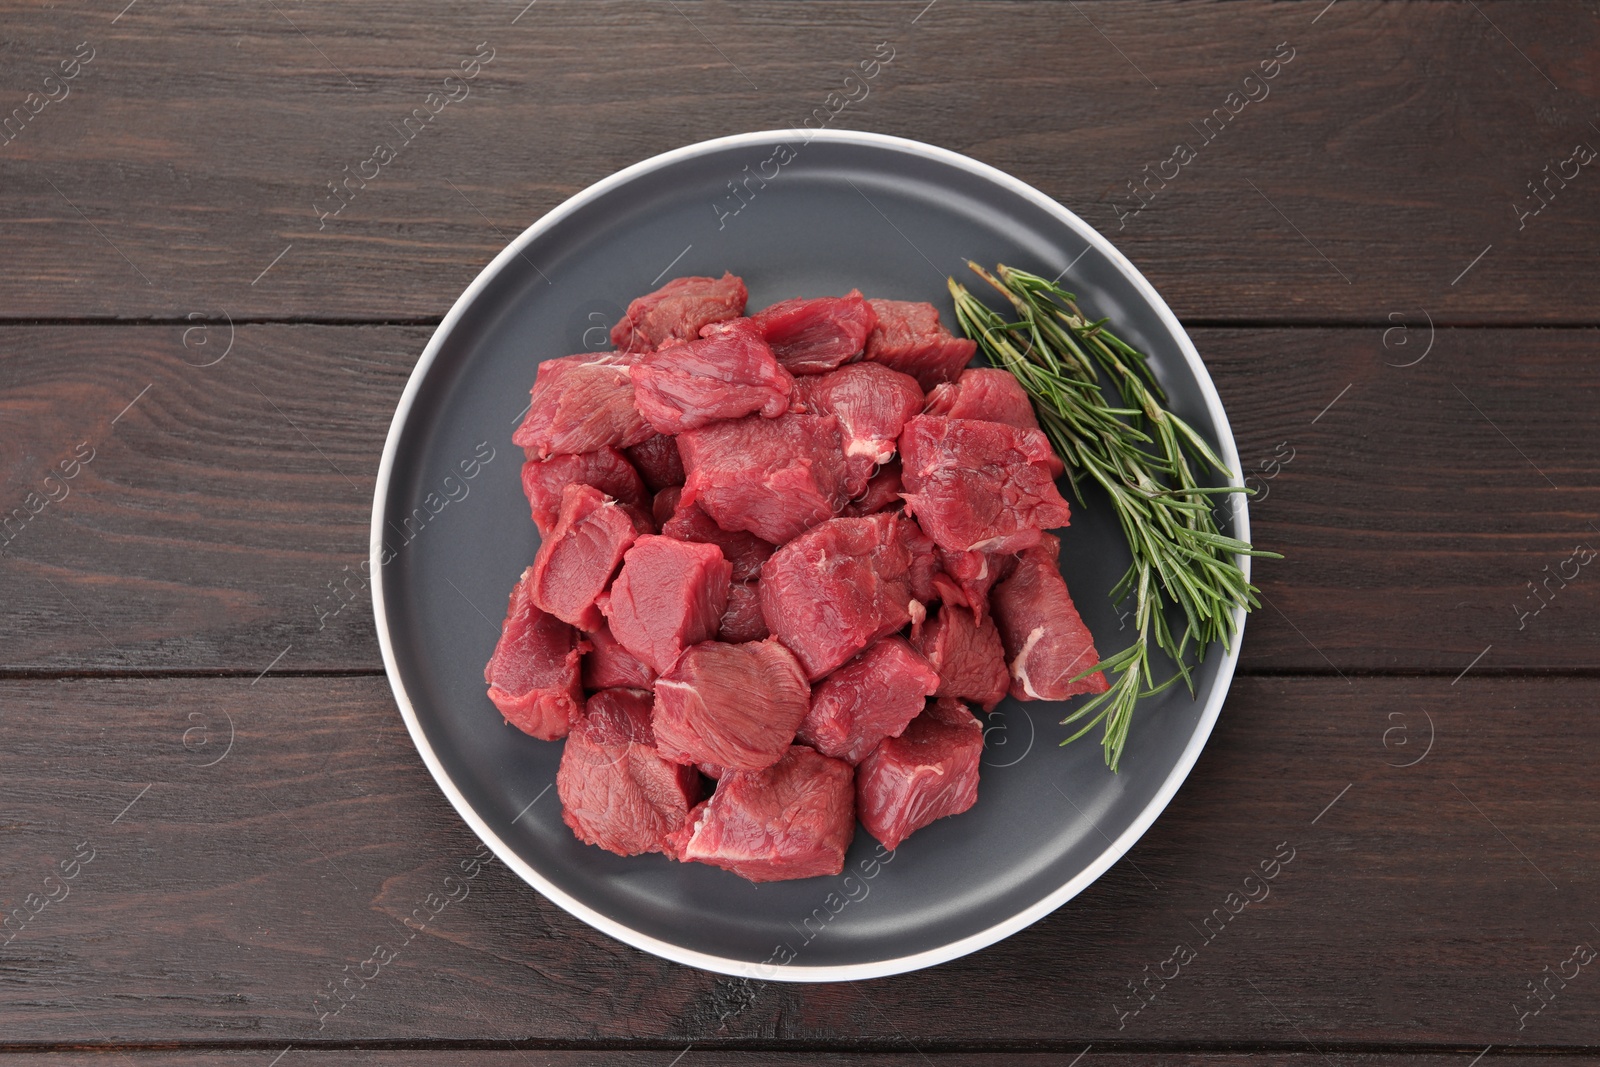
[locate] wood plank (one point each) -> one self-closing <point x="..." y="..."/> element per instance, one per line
<point x="1391" y="153"/>
<point x="1419" y="903"/>
<point x="698" y="1056"/>
<point x="221" y="513"/>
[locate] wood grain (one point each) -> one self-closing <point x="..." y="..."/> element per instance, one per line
<point x="697" y="1056"/>
<point x="223" y="510"/>
<point x="1388" y="156"/>
<point x="1418" y="903"/>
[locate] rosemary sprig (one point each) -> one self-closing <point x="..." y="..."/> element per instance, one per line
<point x="1140" y="453"/>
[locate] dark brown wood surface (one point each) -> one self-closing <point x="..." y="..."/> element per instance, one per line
<point x="1387" y="156"/>
<point x="203" y="535"/>
<point x="1413" y="911"/>
<point x="1348" y="254"/>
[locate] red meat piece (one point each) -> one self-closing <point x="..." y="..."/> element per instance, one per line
<point x="813" y="336"/>
<point x="774" y="478"/>
<point x="581" y="404"/>
<point x="872" y="697"/>
<point x="743" y="621"/>
<point x="909" y="337"/>
<point x="974" y="574"/>
<point x="928" y="772"/>
<point x="726" y="374"/>
<point x="735" y="706"/>
<point x="657" y="460"/>
<point x="989" y="394"/>
<point x="678" y="311"/>
<point x="669" y="595"/>
<point x="977" y="485"/>
<point x="576" y="561"/>
<point x="968" y="655"/>
<point x="606" y="469"/>
<point x="882" y="492"/>
<point x="686" y="522"/>
<point x="607" y="665"/>
<point x="533" y="674"/>
<point x="873" y="404"/>
<point x="837" y="588"/>
<point x="616" y="791"/>
<point x="1046" y="640"/>
<point x="794" y="819"/>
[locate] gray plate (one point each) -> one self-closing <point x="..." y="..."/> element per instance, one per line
<point x="842" y="210"/>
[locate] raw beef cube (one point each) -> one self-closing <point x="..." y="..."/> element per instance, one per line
<point x="873" y="404"/>
<point x="924" y="560"/>
<point x="974" y="574"/>
<point x="616" y="791"/>
<point x="687" y="522"/>
<point x="909" y="337"/>
<point x="735" y="706"/>
<point x="794" y="819"/>
<point x="774" y="478"/>
<point x="872" y="697"/>
<point x="606" y="469"/>
<point x="669" y="595"/>
<point x="743" y="620"/>
<point x="882" y="492"/>
<point x="1047" y="642"/>
<point x="607" y="665"/>
<point x="812" y="336"/>
<point x="977" y="485"/>
<point x="581" y="404"/>
<point x="576" y="561"/>
<point x="837" y="588"/>
<point x="656" y="458"/>
<point x="926" y="773"/>
<point x="989" y="394"/>
<point x="533" y="674"/>
<point x="727" y="374"/>
<point x="968" y="655"/>
<point x="677" y="311"/>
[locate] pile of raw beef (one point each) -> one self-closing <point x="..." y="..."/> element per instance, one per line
<point x="779" y="553"/>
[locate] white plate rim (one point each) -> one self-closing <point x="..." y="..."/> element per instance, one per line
<point x="798" y="972"/>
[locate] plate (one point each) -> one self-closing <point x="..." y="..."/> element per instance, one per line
<point x="451" y="533"/>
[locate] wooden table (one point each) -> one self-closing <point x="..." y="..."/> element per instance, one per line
<point x="210" y="810"/>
